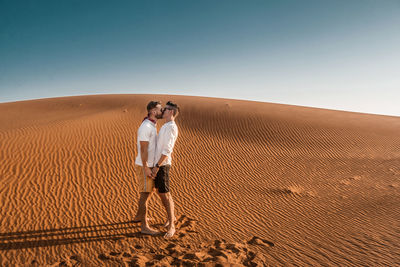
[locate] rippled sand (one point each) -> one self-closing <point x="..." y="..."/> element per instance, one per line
<point x="253" y="183"/>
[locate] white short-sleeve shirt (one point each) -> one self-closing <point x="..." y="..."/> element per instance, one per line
<point x="147" y="132"/>
<point x="166" y="141"/>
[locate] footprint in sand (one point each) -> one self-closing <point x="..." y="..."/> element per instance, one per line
<point x="259" y="241"/>
<point x="181" y="251"/>
<point x="290" y="191"/>
<point x="71" y="261"/>
<point x="183" y="225"/>
<point x="104" y="257"/>
<point x="350" y="180"/>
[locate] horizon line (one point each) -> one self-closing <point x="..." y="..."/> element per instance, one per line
<point x="203" y="96"/>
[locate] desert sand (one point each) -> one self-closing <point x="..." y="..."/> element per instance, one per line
<point x="254" y="184"/>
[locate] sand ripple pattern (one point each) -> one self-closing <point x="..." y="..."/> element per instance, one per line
<point x="323" y="186"/>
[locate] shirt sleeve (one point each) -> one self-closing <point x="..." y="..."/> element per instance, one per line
<point x="144" y="134"/>
<point x="170" y="138"/>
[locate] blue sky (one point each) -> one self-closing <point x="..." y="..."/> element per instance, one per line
<point x="331" y="54"/>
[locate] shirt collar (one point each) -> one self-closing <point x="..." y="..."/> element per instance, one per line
<point x="170" y="122"/>
<point x="153" y="121"/>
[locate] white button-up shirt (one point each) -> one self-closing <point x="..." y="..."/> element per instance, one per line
<point x="147" y="132"/>
<point x="165" y="142"/>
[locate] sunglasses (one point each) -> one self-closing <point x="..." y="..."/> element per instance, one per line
<point x="166" y="108"/>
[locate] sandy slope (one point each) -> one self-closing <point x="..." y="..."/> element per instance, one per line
<point x="254" y="183"/>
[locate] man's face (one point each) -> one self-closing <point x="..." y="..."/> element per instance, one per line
<point x="167" y="111"/>
<point x="158" y="111"/>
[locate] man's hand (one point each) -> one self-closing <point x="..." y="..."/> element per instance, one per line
<point x="147" y="172"/>
<point x="154" y="172"/>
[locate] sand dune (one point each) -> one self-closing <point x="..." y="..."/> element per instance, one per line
<point x="254" y="184"/>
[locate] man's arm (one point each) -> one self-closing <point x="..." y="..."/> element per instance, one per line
<point x="144" y="145"/>
<point x="160" y="162"/>
<point x="166" y="151"/>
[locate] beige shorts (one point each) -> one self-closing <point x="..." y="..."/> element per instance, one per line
<point x="146" y="184"/>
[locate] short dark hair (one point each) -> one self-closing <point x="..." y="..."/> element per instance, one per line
<point x="152" y="104"/>
<point x="175" y="107"/>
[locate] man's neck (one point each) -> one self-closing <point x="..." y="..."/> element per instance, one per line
<point x="152" y="118"/>
<point x="169" y="119"/>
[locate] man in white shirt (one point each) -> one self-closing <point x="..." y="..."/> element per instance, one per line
<point x="163" y="157"/>
<point x="146" y="147"/>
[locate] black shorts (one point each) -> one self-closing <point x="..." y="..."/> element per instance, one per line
<point x="161" y="182"/>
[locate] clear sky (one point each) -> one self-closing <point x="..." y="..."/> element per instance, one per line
<point x="338" y="54"/>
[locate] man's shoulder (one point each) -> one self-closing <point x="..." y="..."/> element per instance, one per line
<point x="147" y="123"/>
<point x="146" y="126"/>
<point x="173" y="127"/>
<point x="170" y="125"/>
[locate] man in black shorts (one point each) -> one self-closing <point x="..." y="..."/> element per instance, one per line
<point x="163" y="157"/>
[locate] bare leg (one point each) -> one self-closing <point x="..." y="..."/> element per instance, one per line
<point x="142" y="213"/>
<point x="166" y="224"/>
<point x="165" y="201"/>
<point x="168" y="203"/>
<point x="142" y="206"/>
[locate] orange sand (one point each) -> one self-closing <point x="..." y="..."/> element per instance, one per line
<point x="253" y="183"/>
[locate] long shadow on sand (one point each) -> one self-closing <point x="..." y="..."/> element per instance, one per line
<point x="63" y="236"/>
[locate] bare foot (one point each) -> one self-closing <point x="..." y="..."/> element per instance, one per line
<point x="170" y="233"/>
<point x="167" y="223"/>
<point x="149" y="231"/>
<point x="136" y="220"/>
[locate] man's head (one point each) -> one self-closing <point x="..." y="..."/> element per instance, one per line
<point x="154" y="109"/>
<point x="171" y="110"/>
